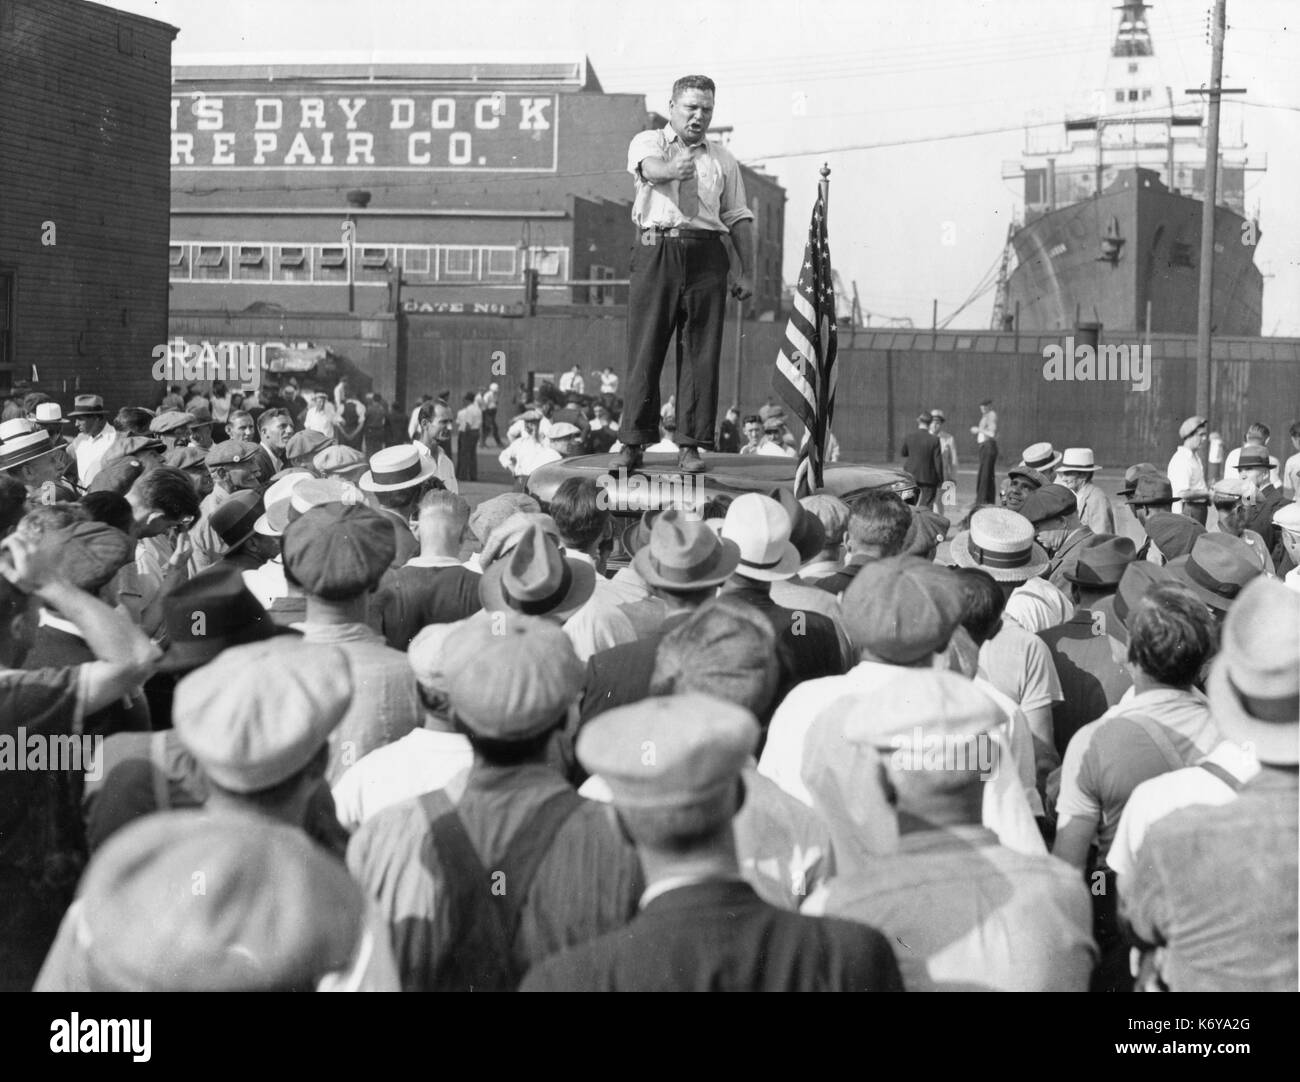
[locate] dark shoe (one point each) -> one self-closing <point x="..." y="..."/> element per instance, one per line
<point x="629" y="458"/>
<point x="689" y="460"/>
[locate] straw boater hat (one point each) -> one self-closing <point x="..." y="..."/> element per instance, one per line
<point x="21" y="448"/>
<point x="760" y="527"/>
<point x="1000" y="542"/>
<point x="396" y="468"/>
<point x="1078" y="460"/>
<point x="1254" y="683"/>
<point x="1040" y="456"/>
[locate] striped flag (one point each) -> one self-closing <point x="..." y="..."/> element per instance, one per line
<point x="805" y="366"/>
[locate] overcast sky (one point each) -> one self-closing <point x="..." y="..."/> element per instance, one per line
<point x="807" y="81"/>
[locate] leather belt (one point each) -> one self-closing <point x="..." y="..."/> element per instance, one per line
<point x="680" y="232"/>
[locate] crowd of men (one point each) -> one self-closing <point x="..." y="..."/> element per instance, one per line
<point x="766" y="743"/>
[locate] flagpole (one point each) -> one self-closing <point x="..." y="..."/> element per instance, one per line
<point x="824" y="187"/>
<point x="823" y="335"/>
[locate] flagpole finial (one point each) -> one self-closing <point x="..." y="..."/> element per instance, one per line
<point x="825" y="170"/>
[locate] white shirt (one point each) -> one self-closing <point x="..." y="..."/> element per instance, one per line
<point x="469" y="419"/>
<point x="1186" y="476"/>
<point x="844" y="789"/>
<point x="321" y="419"/>
<point x="600" y="623"/>
<point x="525" y="455"/>
<point x="664" y="446"/>
<point x="1291" y="476"/>
<point x="573" y="381"/>
<point x="267" y="583"/>
<point x="420" y="762"/>
<point x="608" y="383"/>
<point x="1292" y="579"/>
<point x="1159" y="796"/>
<point x="90" y="452"/>
<point x="445" y="468"/>
<point x="1036" y="605"/>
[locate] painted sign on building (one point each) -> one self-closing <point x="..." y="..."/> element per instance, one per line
<point x="357" y="129"/>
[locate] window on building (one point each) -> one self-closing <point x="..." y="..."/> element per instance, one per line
<point x="1146" y="94"/>
<point x="374" y="258"/>
<point x="501" y="261"/>
<point x="294" y="258"/>
<point x="1119" y="95"/>
<point x="178" y="261"/>
<point x="416" y="260"/>
<point x="1132" y="69"/>
<point x="8" y="292"/>
<point x="1132" y="95"/>
<point x="333" y="257"/>
<point x="211" y="255"/>
<point x="546" y="261"/>
<point x="458" y="260"/>
<point x="601" y="294"/>
<point x="251" y="255"/>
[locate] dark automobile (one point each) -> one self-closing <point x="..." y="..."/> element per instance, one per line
<point x="659" y="484"/>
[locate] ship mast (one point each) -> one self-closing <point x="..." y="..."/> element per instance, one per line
<point x="1206" y="286"/>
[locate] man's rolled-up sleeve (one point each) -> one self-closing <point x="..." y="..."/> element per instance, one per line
<point x="734" y="206"/>
<point x="644" y="145"/>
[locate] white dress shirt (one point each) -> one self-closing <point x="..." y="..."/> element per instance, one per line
<point x="90" y="451"/>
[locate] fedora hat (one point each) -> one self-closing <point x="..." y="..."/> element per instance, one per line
<point x="760" y="527"/>
<point x="684" y="554"/>
<point x="232" y="616"/>
<point x="1040" y="456"/>
<point x="1101" y="565"/>
<point x="1253" y="457"/>
<point x="1138" y="578"/>
<point x="1078" y="459"/>
<point x="1132" y="474"/>
<point x="1254" y="683"/>
<point x="49" y="413"/>
<point x="1174" y="535"/>
<point x="536" y="579"/>
<point x="235" y="521"/>
<point x="30" y="445"/>
<point x="1217" y="569"/>
<point x="87" y="405"/>
<point x="1000" y="542"/>
<point x="398" y="467"/>
<point x="277" y="497"/>
<point x="636" y="536"/>
<point x="1151" y="489"/>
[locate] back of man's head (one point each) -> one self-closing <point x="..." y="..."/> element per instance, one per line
<point x="982" y="603"/>
<point x="169" y="491"/>
<point x="576" y="509"/>
<point x="1258" y="432"/>
<point x="878" y="523"/>
<point x="726" y="649"/>
<point x="1170" y="635"/>
<point x="443" y="517"/>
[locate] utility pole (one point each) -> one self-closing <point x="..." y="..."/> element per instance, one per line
<point x="1205" y="294"/>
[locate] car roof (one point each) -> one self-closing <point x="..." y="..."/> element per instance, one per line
<point x="659" y="483"/>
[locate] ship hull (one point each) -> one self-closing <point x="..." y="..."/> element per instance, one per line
<point x="1061" y="278"/>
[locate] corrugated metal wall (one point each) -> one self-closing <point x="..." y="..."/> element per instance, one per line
<point x="84" y="150"/>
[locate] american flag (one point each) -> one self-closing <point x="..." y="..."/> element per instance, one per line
<point x="805" y="371"/>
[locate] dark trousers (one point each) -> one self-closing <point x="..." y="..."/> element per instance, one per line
<point x="467" y="455"/>
<point x="678" y="284"/>
<point x="925" y="494"/>
<point x="490" y="427"/>
<point x="986" y="488"/>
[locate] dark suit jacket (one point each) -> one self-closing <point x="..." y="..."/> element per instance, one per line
<point x="1261" y="521"/>
<point x="923" y="457"/>
<point x="807" y="646"/>
<point x="721" y="937"/>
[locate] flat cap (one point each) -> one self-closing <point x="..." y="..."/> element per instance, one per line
<point x="833" y="513"/>
<point x="1287" y="517"/>
<point x="925" y="531"/>
<point x="512" y="676"/>
<point x="1229" y="490"/>
<point x="1134" y="472"/>
<point x="91" y="553"/>
<point x="1102" y="564"/>
<point x="340" y="460"/>
<point x="491" y="513"/>
<point x="306" y="443"/>
<point x="562" y="430"/>
<point x="1049" y="502"/>
<point x="338" y="551"/>
<point x="137" y="445"/>
<point x="258" y="713"/>
<point x="171" y="420"/>
<point x="1191" y="425"/>
<point x="673" y="752"/>
<point x="902" y="608"/>
<point x="276" y="913"/>
<point x="230" y="452"/>
<point x="188" y="457"/>
<point x="117" y="476"/>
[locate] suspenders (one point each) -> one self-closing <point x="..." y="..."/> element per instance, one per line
<point x="486" y="904"/>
